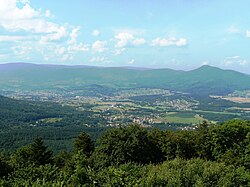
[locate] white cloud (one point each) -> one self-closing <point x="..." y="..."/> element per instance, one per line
<point x="78" y="47"/>
<point x="131" y="31"/>
<point x="165" y="42"/>
<point x="9" y="11"/>
<point x="126" y="39"/>
<point x="48" y="14"/>
<point x="96" y="32"/>
<point x="25" y="1"/>
<point x="99" y="60"/>
<point x="119" y="51"/>
<point x="99" y="46"/>
<point x="181" y="42"/>
<point x="53" y="41"/>
<point x="73" y="35"/>
<point x="12" y="17"/>
<point x="46" y="58"/>
<point x="67" y="57"/>
<point x="123" y="39"/>
<point x="234" y="60"/>
<point x="10" y="38"/>
<point x="248" y="33"/>
<point x="139" y="41"/>
<point x="21" y="50"/>
<point x="206" y="62"/>
<point x="25" y="18"/>
<point x="61" y="50"/>
<point x="55" y="36"/>
<point x="132" y="61"/>
<point x="62" y="53"/>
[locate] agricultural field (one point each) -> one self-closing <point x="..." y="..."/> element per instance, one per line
<point x="181" y="117"/>
<point x="145" y="106"/>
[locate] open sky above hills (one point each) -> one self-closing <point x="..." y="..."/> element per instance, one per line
<point x="178" y="34"/>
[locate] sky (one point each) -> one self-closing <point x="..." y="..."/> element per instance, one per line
<point x="177" y="34"/>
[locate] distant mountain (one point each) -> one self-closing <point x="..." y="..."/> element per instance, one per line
<point x="215" y="80"/>
<point x="204" y="80"/>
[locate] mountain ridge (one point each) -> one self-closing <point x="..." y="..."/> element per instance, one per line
<point x="203" y="80"/>
<point x="26" y="64"/>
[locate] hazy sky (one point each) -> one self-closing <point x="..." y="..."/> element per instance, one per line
<point x="178" y="34"/>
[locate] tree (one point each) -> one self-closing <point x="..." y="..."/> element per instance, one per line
<point x="124" y="145"/>
<point x="84" y="144"/>
<point x="227" y="140"/>
<point x="4" y="167"/>
<point x="39" y="153"/>
<point x="35" y="153"/>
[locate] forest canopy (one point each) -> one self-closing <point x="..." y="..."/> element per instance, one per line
<point x="212" y="155"/>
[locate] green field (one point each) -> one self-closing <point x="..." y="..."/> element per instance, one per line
<point x="51" y="120"/>
<point x="185" y="118"/>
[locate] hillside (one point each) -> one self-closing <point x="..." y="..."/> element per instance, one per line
<point x="16" y="112"/>
<point x="204" y="80"/>
<point x="22" y="121"/>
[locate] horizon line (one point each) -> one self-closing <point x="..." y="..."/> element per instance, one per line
<point x="125" y="67"/>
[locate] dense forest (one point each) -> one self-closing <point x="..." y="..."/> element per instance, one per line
<point x="22" y="121"/>
<point x="20" y="112"/>
<point x="212" y="155"/>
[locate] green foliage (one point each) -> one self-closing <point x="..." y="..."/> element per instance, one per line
<point x="212" y="155"/>
<point x="195" y="172"/>
<point x="5" y="169"/>
<point x="27" y="175"/>
<point x="124" y="175"/>
<point x="39" y="153"/>
<point x="126" y="144"/>
<point x="228" y="139"/>
<point x="35" y="153"/>
<point x="84" y="144"/>
<point x="13" y="112"/>
<point x="61" y="159"/>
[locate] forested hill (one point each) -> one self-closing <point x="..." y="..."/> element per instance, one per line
<point x="204" y="80"/>
<point x="16" y="113"/>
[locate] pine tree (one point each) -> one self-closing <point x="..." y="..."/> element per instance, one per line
<point x="39" y="153"/>
<point x="84" y="144"/>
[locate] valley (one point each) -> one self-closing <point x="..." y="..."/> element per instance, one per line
<point x="124" y="93"/>
<point x="144" y="106"/>
<point x="58" y="109"/>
